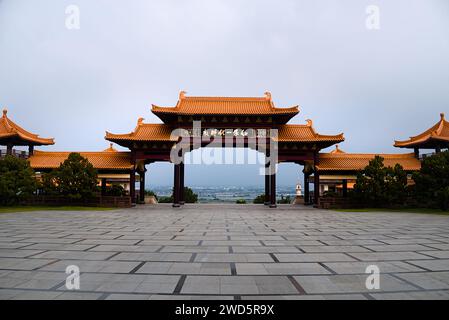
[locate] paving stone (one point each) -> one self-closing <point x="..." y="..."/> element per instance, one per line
<point x="348" y="284"/>
<point x="232" y="257"/>
<point x="36" y="295"/>
<point x="73" y="295"/>
<point x="421" y="295"/>
<point x="138" y="256"/>
<point x="313" y="257"/>
<point x="386" y="256"/>
<point x="360" y="267"/>
<point x="433" y="265"/>
<point x="74" y="255"/>
<point x="10" y="253"/>
<point x="427" y="280"/>
<point x="23" y="264"/>
<point x="322" y="249"/>
<point x="398" y="247"/>
<point x="123" y="248"/>
<point x="223" y="251"/>
<point x="122" y="296"/>
<point x="443" y="254"/>
<point x="93" y="266"/>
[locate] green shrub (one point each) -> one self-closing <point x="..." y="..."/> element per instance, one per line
<point x="189" y="197"/>
<point x="151" y="193"/>
<point x="286" y="200"/>
<point x="17" y="180"/>
<point x="432" y="181"/>
<point x="115" y="190"/>
<point x="259" y="199"/>
<point x="76" y="178"/>
<point x="380" y="186"/>
<point x="165" y="199"/>
<point x="241" y="201"/>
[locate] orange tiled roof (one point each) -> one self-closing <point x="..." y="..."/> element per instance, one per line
<point x="144" y="132"/>
<point x="358" y="161"/>
<point x="100" y="160"/>
<point x="337" y="150"/>
<point x="161" y="132"/>
<point x="10" y="130"/>
<point x="304" y="133"/>
<point x="225" y="105"/>
<point x="110" y="149"/>
<point x="436" y="134"/>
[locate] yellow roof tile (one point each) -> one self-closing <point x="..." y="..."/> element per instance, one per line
<point x="358" y="161"/>
<point x="436" y="135"/>
<point x="11" y="131"/>
<point x="225" y="106"/>
<point x="100" y="160"/>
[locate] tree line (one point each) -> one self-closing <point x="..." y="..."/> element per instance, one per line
<point x="380" y="186"/>
<point x="376" y="185"/>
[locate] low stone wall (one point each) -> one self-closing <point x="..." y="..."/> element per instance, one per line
<point x="336" y="203"/>
<point x="98" y="201"/>
<point x="349" y="203"/>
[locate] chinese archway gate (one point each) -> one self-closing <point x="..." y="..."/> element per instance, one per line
<point x="250" y="122"/>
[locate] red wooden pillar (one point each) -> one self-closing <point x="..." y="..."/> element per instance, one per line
<point x="176" y="180"/>
<point x="306" y="189"/>
<point x="316" y="175"/>
<point x="181" y="184"/>
<point x="273" y="187"/>
<point x="9" y="149"/>
<point x="345" y="188"/>
<point x="103" y="186"/>
<point x="142" y="187"/>
<point x="132" y="186"/>
<point x="267" y="179"/>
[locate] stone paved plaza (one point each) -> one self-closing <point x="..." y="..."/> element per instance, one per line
<point x="223" y="252"/>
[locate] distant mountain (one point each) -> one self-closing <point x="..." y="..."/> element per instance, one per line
<point x="226" y="193"/>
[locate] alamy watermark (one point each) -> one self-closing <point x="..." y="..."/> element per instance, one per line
<point x="372" y="21"/>
<point x="72" y="19"/>
<point x="218" y="139"/>
<point x="373" y="280"/>
<point x="72" y="281"/>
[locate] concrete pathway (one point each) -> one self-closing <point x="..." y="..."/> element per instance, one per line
<point x="223" y="252"/>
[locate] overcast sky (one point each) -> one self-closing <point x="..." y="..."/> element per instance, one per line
<point x="373" y="85"/>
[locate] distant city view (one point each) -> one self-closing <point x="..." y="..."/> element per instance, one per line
<point x="226" y="194"/>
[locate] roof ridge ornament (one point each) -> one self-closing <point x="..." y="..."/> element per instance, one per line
<point x="6" y="120"/>
<point x="267" y="95"/>
<point x="182" y="94"/>
<point x="140" y="121"/>
<point x="309" y="123"/>
<point x="442" y="116"/>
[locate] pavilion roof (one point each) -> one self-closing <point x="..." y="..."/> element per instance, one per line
<point x="105" y="160"/>
<point x="225" y="106"/>
<point x="358" y="161"/>
<point x="337" y="150"/>
<point x="305" y="133"/>
<point x="144" y="132"/>
<point x="110" y="149"/>
<point x="437" y="135"/>
<point x="162" y="132"/>
<point x="11" y="132"/>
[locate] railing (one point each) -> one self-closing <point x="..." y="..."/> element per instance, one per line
<point x="99" y="201"/>
<point x="17" y="153"/>
<point x="336" y="203"/>
<point x="425" y="155"/>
